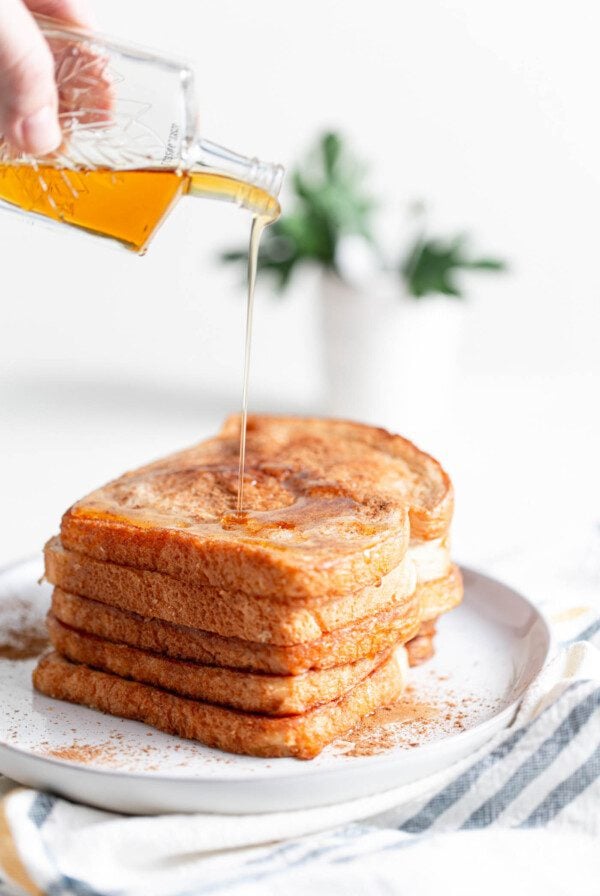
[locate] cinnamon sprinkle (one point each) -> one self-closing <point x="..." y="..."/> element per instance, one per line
<point x="22" y="633"/>
<point x="382" y="729"/>
<point x="112" y="753"/>
<point x="421" y="715"/>
<point x="84" y="753"/>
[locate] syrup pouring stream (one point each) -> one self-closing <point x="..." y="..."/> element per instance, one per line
<point x="259" y="222"/>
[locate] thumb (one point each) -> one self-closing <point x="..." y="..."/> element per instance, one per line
<point x="28" y="97"/>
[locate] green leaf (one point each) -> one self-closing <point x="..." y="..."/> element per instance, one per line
<point x="431" y="266"/>
<point x="330" y="201"/>
<point x="234" y="255"/>
<point x="331" y="147"/>
<point x="487" y="264"/>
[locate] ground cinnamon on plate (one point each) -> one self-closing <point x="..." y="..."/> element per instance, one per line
<point x="84" y="753"/>
<point x="386" y="728"/>
<point x="22" y="632"/>
<point x="427" y="712"/>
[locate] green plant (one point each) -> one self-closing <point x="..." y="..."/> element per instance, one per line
<point x="329" y="202"/>
<point x="432" y="265"/>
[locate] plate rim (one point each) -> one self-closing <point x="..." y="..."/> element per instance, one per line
<point x="498" y="721"/>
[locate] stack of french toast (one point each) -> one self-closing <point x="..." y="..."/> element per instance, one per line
<point x="271" y="631"/>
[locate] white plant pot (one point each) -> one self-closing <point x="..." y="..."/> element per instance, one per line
<point x="390" y="359"/>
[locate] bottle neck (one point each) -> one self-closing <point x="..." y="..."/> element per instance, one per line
<point x="251" y="182"/>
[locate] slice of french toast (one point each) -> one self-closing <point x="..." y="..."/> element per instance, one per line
<point x="348" y="644"/>
<point x="301" y="736"/>
<point x="232" y="614"/>
<point x="278" y="695"/>
<point x="328" y="505"/>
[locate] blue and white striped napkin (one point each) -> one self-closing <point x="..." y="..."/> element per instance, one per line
<point x="520" y="815"/>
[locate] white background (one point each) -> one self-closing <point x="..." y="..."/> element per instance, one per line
<point x="488" y="111"/>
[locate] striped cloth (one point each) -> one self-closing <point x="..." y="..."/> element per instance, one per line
<point x="520" y="815"/>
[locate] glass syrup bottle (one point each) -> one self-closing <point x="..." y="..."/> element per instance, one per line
<point x="131" y="148"/>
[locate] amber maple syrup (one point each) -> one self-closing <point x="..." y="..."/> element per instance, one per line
<point x="129" y="206"/>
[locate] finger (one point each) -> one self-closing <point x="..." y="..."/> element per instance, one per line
<point x="28" y="97"/>
<point x="74" y="12"/>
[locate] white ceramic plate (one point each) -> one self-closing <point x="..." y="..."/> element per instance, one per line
<point x="488" y="651"/>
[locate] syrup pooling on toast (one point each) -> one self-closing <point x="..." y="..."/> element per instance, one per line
<point x="302" y="489"/>
<point x="290" y="511"/>
<point x="304" y="514"/>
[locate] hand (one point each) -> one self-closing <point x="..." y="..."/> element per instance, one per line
<point x="28" y="94"/>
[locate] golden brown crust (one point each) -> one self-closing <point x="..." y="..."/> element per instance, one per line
<point x="440" y="595"/>
<point x="263" y="572"/>
<point x="346" y="645"/>
<point x="300" y="736"/>
<point x="154" y="594"/>
<point x="328" y="512"/>
<point x="422" y="646"/>
<point x="252" y="692"/>
<point x="420" y="649"/>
